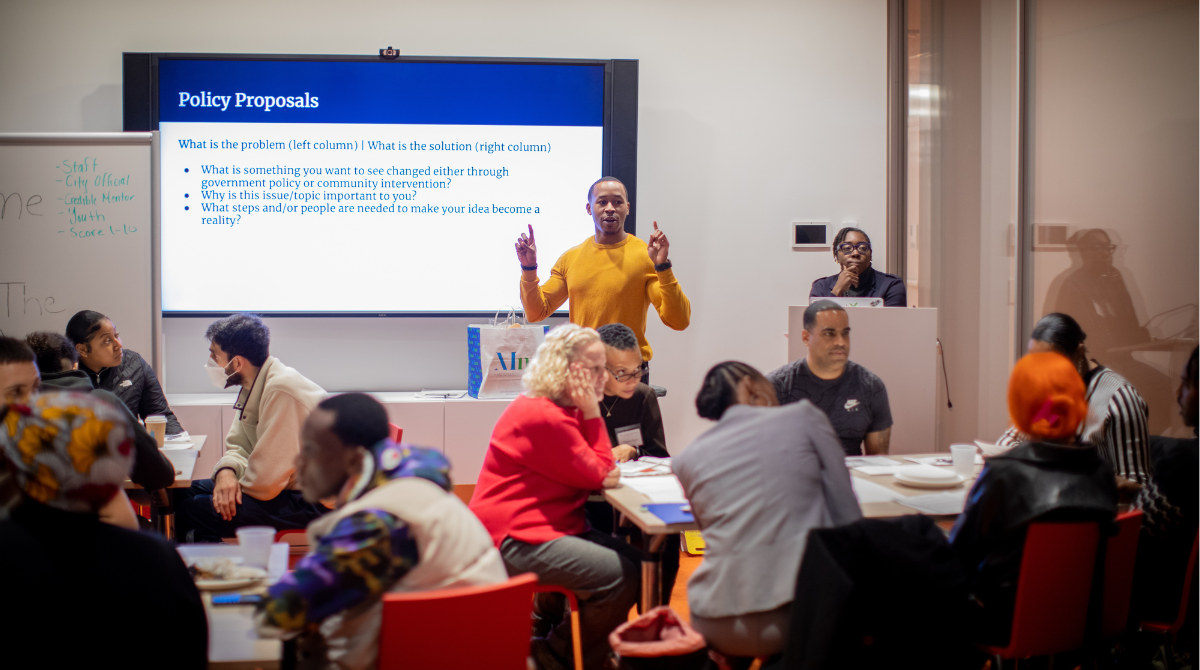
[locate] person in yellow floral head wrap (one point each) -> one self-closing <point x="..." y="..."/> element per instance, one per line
<point x="68" y="450"/>
<point x="75" y="584"/>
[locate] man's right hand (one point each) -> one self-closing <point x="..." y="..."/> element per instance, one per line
<point x="845" y="280"/>
<point x="527" y="249"/>
<point x="227" y="494"/>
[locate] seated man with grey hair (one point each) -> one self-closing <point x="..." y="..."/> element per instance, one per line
<point x="854" y="398"/>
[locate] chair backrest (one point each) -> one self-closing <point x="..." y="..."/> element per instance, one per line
<point x="396" y="433"/>
<point x="474" y="626"/>
<point x="1187" y="587"/>
<point x="1053" y="590"/>
<point x="1119" y="560"/>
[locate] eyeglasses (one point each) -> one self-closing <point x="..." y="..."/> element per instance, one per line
<point x="626" y="376"/>
<point x="1110" y="248"/>
<point x="863" y="247"/>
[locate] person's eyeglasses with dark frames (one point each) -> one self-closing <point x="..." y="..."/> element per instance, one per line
<point x="863" y="247"/>
<point x="626" y="376"/>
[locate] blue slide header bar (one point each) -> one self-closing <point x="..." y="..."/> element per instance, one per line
<point x="505" y="94"/>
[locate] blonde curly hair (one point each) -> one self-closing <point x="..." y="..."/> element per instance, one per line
<point x="547" y="375"/>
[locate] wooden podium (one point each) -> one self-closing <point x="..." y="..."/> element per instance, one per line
<point x="899" y="345"/>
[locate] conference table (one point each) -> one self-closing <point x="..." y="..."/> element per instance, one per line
<point x="630" y="504"/>
<point x="234" y="644"/>
<point x="233" y="641"/>
<point x="183" y="456"/>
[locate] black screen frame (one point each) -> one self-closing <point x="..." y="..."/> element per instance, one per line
<point x="140" y="92"/>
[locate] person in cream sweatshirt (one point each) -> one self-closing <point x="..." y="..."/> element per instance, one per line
<point x="254" y="483"/>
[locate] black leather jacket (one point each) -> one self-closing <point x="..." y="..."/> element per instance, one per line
<point x="1034" y="481"/>
<point x="134" y="382"/>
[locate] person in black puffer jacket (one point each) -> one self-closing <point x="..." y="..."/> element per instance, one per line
<point x="121" y="371"/>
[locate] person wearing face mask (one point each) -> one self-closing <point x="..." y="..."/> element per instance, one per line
<point x="612" y="277"/>
<point x="757" y="481"/>
<point x="549" y="450"/>
<point x="397" y="527"/>
<point x="118" y="370"/>
<point x="254" y="483"/>
<point x="852" y="251"/>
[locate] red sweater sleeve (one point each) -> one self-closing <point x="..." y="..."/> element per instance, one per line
<point x="571" y="451"/>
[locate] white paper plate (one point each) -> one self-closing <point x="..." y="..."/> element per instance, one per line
<point x="226" y="584"/>
<point x="948" y="483"/>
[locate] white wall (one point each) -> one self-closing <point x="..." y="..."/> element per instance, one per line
<point x="752" y="115"/>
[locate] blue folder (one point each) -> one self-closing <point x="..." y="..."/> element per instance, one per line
<point x="671" y="512"/>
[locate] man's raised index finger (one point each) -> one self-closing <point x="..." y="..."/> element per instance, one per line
<point x="531" y="231"/>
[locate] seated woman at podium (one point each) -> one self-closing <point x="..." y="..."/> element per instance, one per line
<point x="118" y="370"/>
<point x="548" y="451"/>
<point x="852" y="251"/>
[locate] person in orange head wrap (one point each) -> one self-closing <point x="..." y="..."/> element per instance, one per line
<point x="1049" y="478"/>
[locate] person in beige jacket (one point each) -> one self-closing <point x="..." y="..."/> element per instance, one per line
<point x="397" y="527"/>
<point x="254" y="483"/>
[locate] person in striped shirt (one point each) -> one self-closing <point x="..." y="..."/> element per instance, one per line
<point x="1116" y="422"/>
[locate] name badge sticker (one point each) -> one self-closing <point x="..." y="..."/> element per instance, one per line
<point x="631" y="435"/>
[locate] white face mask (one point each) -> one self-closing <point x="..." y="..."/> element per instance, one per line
<point x="217" y="374"/>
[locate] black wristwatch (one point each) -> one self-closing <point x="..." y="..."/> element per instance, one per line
<point x="528" y="267"/>
<point x="662" y="266"/>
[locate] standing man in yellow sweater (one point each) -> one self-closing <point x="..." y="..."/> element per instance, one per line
<point x="613" y="277"/>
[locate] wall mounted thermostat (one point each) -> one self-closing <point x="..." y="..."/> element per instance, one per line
<point x="810" y="235"/>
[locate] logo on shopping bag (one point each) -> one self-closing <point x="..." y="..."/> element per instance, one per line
<point x="514" y="363"/>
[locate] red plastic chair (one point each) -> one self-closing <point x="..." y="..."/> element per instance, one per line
<point x="475" y="626"/>
<point x="1171" y="628"/>
<point x="1119" y="560"/>
<point x="576" y="641"/>
<point x="1053" y="590"/>
<point x="395" y="432"/>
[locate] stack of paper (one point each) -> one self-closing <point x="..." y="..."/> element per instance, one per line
<point x="937" y="503"/>
<point x="642" y="468"/>
<point x="859" y="461"/>
<point x="881" y="469"/>
<point x="870" y="492"/>
<point x="940" y="460"/>
<point x="180" y="441"/>
<point x="664" y="489"/>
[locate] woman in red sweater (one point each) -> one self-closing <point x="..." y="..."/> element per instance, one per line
<point x="549" y="450"/>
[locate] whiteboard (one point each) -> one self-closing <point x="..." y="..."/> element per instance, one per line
<point x="77" y="213"/>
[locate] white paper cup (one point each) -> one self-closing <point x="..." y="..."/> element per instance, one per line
<point x="156" y="425"/>
<point x="256" y="542"/>
<point x="964" y="458"/>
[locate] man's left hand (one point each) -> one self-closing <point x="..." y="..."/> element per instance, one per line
<point x="624" y="452"/>
<point x="658" y="246"/>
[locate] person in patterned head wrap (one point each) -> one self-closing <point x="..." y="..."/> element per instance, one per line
<point x="397" y="526"/>
<point x="76" y="583"/>
<point x="67" y="450"/>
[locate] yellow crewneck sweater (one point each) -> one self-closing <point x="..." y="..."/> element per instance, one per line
<point x="608" y="283"/>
